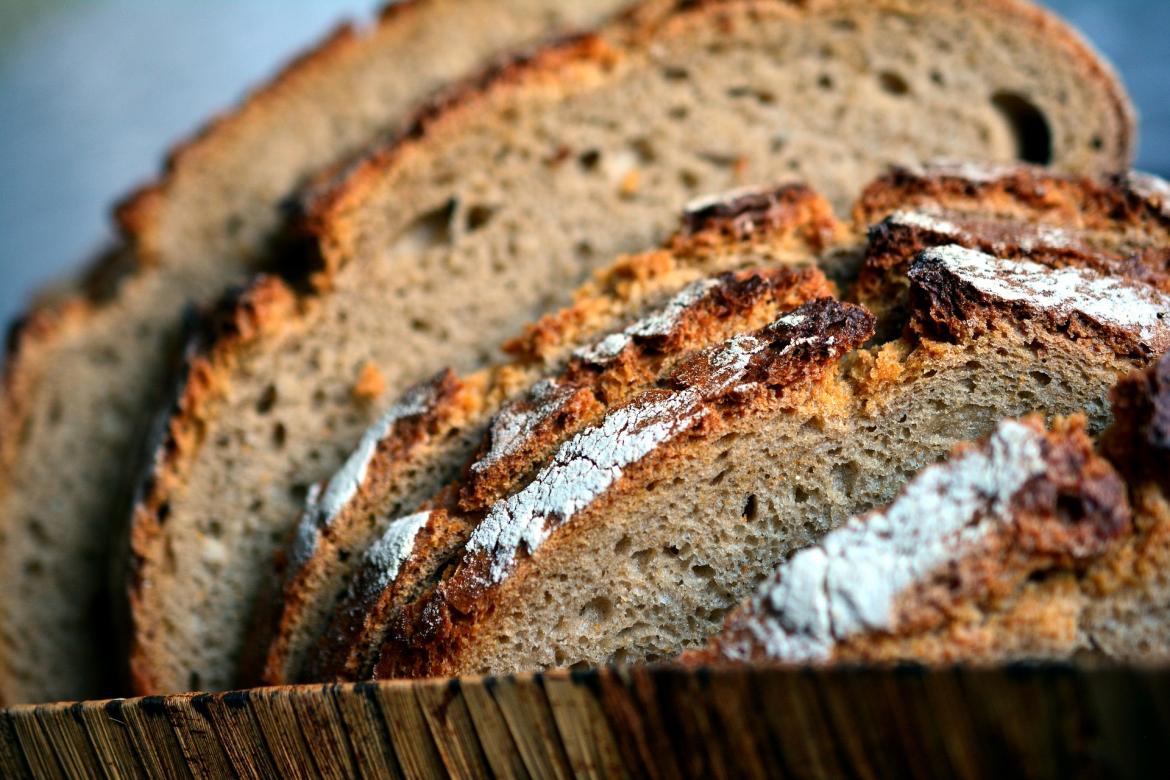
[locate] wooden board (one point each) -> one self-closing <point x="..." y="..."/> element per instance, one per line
<point x="1021" y="721"/>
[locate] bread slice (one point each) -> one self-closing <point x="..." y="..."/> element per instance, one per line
<point x="344" y="647"/>
<point x="508" y="192"/>
<point x="1028" y="546"/>
<point x="975" y="561"/>
<point x="81" y="386"/>
<point x="656" y="301"/>
<point x="645" y="560"/>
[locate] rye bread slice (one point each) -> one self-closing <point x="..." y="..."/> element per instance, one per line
<point x="652" y="302"/>
<point x="83" y="380"/>
<point x="543" y="168"/>
<point x="644" y="560"/>
<point x="976" y="560"/>
<point x="1026" y="547"/>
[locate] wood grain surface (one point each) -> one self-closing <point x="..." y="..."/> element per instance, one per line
<point x="1022" y="721"/>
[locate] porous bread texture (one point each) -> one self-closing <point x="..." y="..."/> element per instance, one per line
<point x="913" y="580"/>
<point x="616" y="129"/>
<point x="974" y="593"/>
<point x="676" y="534"/>
<point x="86" y="378"/>
<point x="652" y="295"/>
<point x="529" y="427"/>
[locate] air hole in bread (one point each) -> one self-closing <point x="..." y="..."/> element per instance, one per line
<point x="844" y="477"/>
<point x="894" y="83"/>
<point x="825" y="82"/>
<point x="429" y="230"/>
<point x="751" y="507"/>
<point x="678" y="113"/>
<point x="689" y="179"/>
<point x="937" y="78"/>
<point x="622" y="546"/>
<point x="1029" y="126"/>
<point x="478" y="216"/>
<point x="279" y="435"/>
<point x="589" y="160"/>
<point x="267" y="400"/>
<point x="673" y="73"/>
<point x="1096" y="143"/>
<point x="643" y="557"/>
<point x="597" y="610"/>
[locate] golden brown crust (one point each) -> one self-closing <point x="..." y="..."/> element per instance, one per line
<point x="426" y="636"/>
<point x="738" y="301"/>
<point x="242" y="318"/>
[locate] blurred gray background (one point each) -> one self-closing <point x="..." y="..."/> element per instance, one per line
<point x="92" y="91"/>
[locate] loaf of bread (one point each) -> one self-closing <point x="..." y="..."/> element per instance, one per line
<point x="83" y="371"/>
<point x="1027" y="546"/>
<point x="507" y="192"/>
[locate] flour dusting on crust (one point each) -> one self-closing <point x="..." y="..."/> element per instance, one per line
<point x="1106" y="299"/>
<point x="515" y="423"/>
<point x="325" y="502"/>
<point x="659" y="323"/>
<point x="850" y="583"/>
<point x="384" y="557"/>
<point x="590" y="462"/>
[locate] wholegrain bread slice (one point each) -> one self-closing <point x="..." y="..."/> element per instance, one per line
<point x="554" y="378"/>
<point x="977" y="560"/>
<point x="82" y="379"/>
<point x="508" y="192"/>
<point x="644" y="561"/>
<point x="1029" y="546"/>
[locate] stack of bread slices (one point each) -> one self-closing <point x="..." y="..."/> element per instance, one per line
<point x="391" y="378"/>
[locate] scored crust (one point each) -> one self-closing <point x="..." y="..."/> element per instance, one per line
<point x="786" y="357"/>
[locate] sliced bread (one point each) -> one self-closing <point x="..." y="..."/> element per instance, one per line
<point x="506" y="193"/>
<point x="83" y="378"/>
<point x="647" y="305"/>
<point x="643" y="561"/>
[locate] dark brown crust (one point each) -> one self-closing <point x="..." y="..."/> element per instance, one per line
<point x="450" y="400"/>
<point x="585" y="390"/>
<point x="426" y="637"/>
<point x="1019" y="190"/>
<point x="1138" y="442"/>
<point x="242" y="318"/>
<point x="893" y="244"/>
<point x="946" y="307"/>
<point x="1064" y="519"/>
